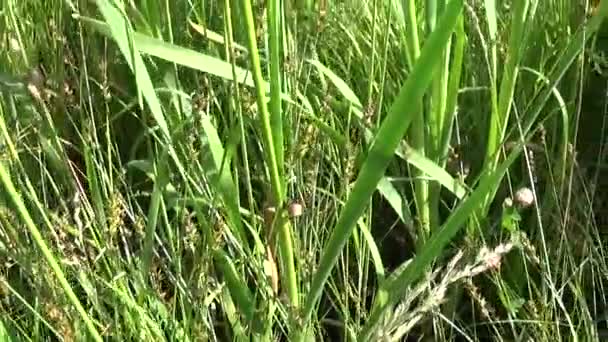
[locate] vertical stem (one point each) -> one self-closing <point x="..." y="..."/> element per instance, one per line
<point x="499" y="121"/>
<point x="278" y="198"/>
<point x="417" y="131"/>
<point x="276" y="115"/>
<point x="431" y="15"/>
<point x="500" y="118"/>
<point x="237" y="102"/>
<point x="437" y="112"/>
<point x="373" y="61"/>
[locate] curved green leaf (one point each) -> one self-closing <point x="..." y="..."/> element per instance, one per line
<point x="382" y="150"/>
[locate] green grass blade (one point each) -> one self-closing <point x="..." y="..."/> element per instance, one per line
<point x="382" y="149"/>
<point x="394" y="199"/>
<point x="491" y="20"/>
<point x="500" y="119"/>
<point x="373" y="250"/>
<point x="237" y="286"/>
<point x="118" y="28"/>
<point x="160" y="183"/>
<point x="432" y="170"/>
<point x="277" y="196"/>
<point x="142" y="314"/>
<point x="214" y="36"/>
<point x="95" y="186"/>
<point x="276" y="114"/>
<point x="221" y="175"/>
<point x="180" y="55"/>
<point x="46" y="252"/>
<point x="417" y="131"/>
<point x="344" y="89"/>
<point x="4" y="336"/>
<point x="398" y="284"/>
<point x="27" y="305"/>
<point x="453" y="86"/>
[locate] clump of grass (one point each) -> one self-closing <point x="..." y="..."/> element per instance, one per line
<point x="219" y="170"/>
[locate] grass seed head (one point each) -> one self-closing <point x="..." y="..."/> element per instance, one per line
<point x="524" y="197"/>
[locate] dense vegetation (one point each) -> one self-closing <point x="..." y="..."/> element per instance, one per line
<point x="302" y="170"/>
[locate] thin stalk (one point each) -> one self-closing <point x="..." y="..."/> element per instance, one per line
<point x="285" y="242"/>
<point x="490" y="9"/>
<point x="453" y="87"/>
<point x="17" y="32"/>
<point x="431" y="15"/>
<point x="237" y="103"/>
<point x="276" y="114"/>
<point x="46" y="252"/>
<point x="152" y="219"/>
<point x="500" y="115"/>
<point x="370" y="88"/>
<point x="436" y="120"/>
<point x="276" y="123"/>
<point x="499" y="120"/>
<point x="448" y="124"/>
<point x="384" y="72"/>
<point x="421" y="186"/>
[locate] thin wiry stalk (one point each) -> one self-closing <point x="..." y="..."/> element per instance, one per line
<point x="500" y="118"/>
<point x="437" y="113"/>
<point x="417" y="131"/>
<point x="46" y="252"/>
<point x="285" y="243"/>
<point x="237" y="102"/>
<point x="276" y="114"/>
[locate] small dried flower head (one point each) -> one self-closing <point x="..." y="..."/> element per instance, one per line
<point x="493" y="261"/>
<point x="493" y="258"/>
<point x="295" y="209"/>
<point x="524" y="197"/>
